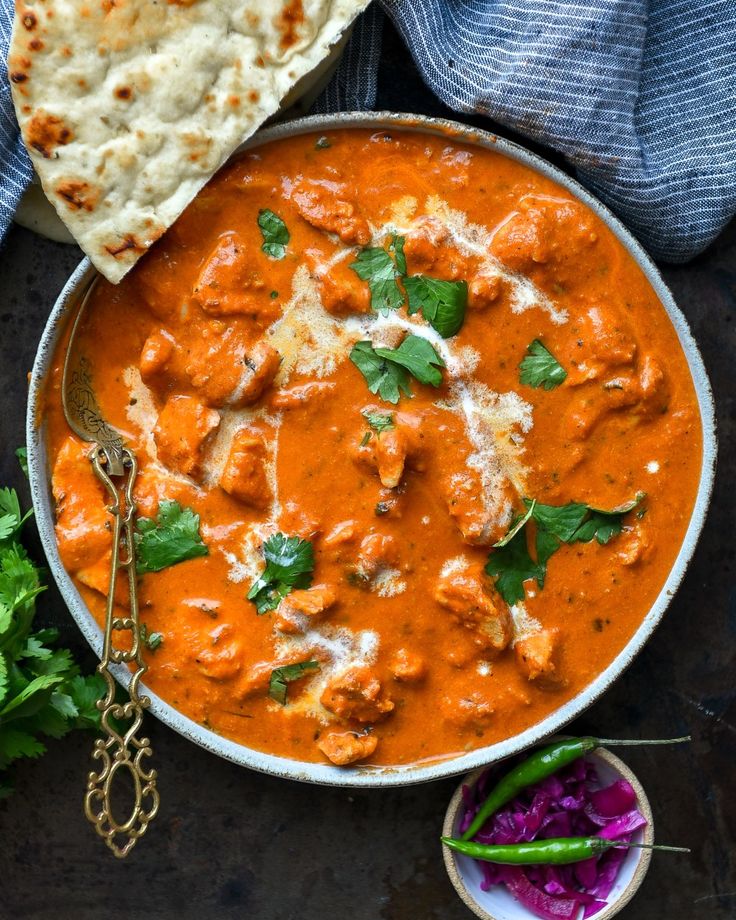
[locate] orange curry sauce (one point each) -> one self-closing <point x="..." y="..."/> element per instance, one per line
<point x="227" y="370"/>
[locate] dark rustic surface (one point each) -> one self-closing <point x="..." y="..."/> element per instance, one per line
<point x="232" y="843"/>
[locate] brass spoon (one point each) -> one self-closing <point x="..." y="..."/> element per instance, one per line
<point x="115" y="466"/>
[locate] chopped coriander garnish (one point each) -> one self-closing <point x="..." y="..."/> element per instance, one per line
<point x="171" y="538"/>
<point x="379" y="421"/>
<point x="540" y="368"/>
<point x="289" y="565"/>
<point x="418" y="357"/>
<point x="442" y="303"/>
<point x="511" y="563"/>
<point x="11" y="518"/>
<point x="322" y="143"/>
<point x="365" y="439"/>
<point x="386" y="370"/>
<point x="281" y="677"/>
<point x="274" y="295"/>
<point x="152" y="640"/>
<point x="376" y="266"/>
<point x="274" y="232"/>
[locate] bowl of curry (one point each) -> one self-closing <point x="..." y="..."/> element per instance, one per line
<point x="424" y="449"/>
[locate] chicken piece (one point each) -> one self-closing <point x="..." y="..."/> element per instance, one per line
<point x="156" y="354"/>
<point x="223" y="659"/>
<point x="481" y="517"/>
<point x="484" y="290"/>
<point x="319" y="203"/>
<point x="342" y="291"/>
<point x="394" y="449"/>
<point x="557" y="234"/>
<point x="467" y="597"/>
<point x="244" y="474"/>
<point x="343" y="748"/>
<point x="429" y="250"/>
<point x="298" y="609"/>
<point x="182" y="431"/>
<point x="229" y="282"/>
<point x="603" y="341"/>
<point x="261" y="366"/>
<point x="645" y="395"/>
<point x="471" y="711"/>
<point x="97" y="577"/>
<point x="82" y="521"/>
<point x="536" y="655"/>
<point x="406" y="666"/>
<point x="356" y="694"/>
<point x="377" y="551"/>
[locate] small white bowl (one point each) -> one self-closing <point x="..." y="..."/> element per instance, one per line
<point x="498" y="904"/>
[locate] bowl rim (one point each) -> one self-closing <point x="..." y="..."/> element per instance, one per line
<point x="435" y="768"/>
<point x="613" y="907"/>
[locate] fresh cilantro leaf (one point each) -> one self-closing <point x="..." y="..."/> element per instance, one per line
<point x="275" y="234"/>
<point x="289" y="564"/>
<point x="22" y="454"/>
<point x="442" y="303"/>
<point x="322" y="143"/>
<point x="379" y="422"/>
<point x="418" y="357"/>
<point x="15" y="744"/>
<point x="11" y="519"/>
<point x="383" y="377"/>
<point x="540" y="368"/>
<point x="31" y="698"/>
<point x="64" y="704"/>
<point x="152" y="640"/>
<point x="511" y="565"/>
<point x="560" y="520"/>
<point x="376" y="266"/>
<point x="85" y="691"/>
<point x="3" y="678"/>
<point x="280" y="677"/>
<point x="396" y="246"/>
<point x="172" y="538"/>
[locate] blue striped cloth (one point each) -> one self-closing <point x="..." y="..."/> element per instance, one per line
<point x="639" y="95"/>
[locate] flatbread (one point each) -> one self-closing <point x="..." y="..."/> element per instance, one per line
<point x="128" y="107"/>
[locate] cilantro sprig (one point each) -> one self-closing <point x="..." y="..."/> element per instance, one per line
<point x="540" y="368"/>
<point x="171" y="538"/>
<point x="281" y="677"/>
<point x="387" y="370"/>
<point x="511" y="564"/>
<point x="275" y="234"/>
<point x="42" y="692"/>
<point x="289" y="565"/>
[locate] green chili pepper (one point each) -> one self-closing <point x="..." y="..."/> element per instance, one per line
<point x="553" y="852"/>
<point x="539" y="766"/>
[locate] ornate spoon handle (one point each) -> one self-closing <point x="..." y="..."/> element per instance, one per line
<point x="120" y="749"/>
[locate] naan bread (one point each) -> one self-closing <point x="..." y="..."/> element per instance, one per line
<point x="127" y="107"/>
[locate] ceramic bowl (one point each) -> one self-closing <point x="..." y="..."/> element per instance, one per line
<point x="497" y="904"/>
<point x="420" y="772"/>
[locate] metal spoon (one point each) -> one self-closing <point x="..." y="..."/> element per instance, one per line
<point x="115" y="466"/>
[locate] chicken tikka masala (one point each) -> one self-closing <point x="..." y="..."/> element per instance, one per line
<point x="417" y="448"/>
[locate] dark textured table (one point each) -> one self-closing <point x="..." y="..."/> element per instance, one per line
<point x="232" y="843"/>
